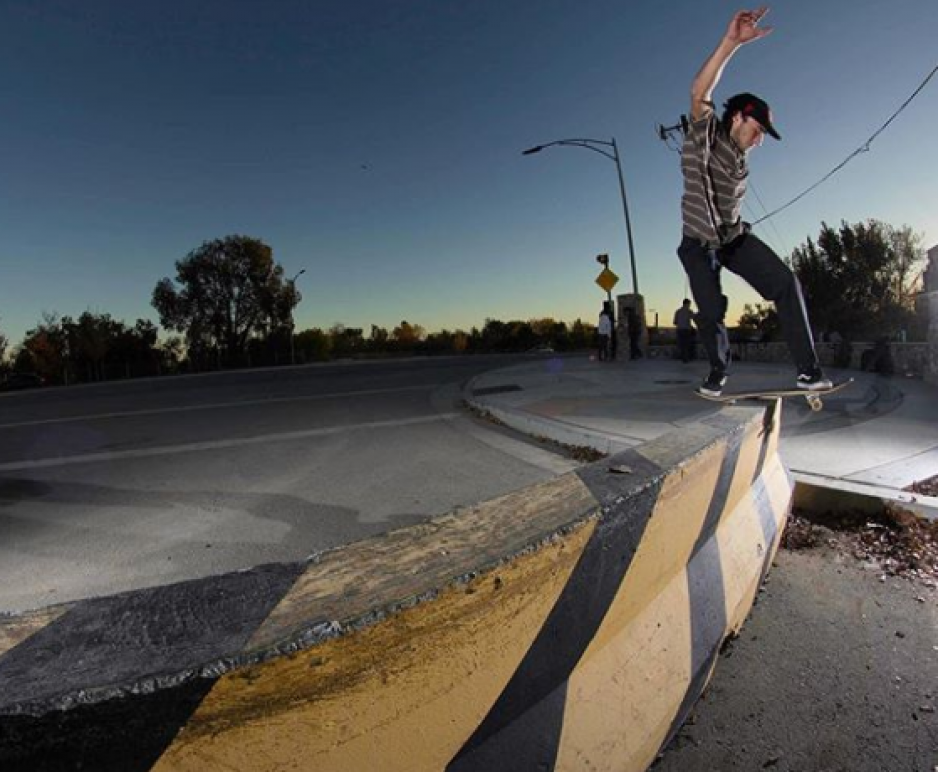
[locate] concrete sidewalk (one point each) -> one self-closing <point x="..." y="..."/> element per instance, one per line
<point x="874" y="438"/>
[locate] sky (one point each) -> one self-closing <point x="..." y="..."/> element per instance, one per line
<point x="378" y="146"/>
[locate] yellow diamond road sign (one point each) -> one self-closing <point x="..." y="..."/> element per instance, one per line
<point x="607" y="280"/>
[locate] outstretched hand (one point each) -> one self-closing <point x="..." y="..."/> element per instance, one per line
<point x="744" y="26"/>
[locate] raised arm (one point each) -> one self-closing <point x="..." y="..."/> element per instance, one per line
<point x="742" y="29"/>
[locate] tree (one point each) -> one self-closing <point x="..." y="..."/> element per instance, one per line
<point x="494" y="336"/>
<point x="313" y="345"/>
<point x="406" y="335"/>
<point x="581" y="335"/>
<point x="857" y="280"/>
<point x="170" y="353"/>
<point x="910" y="256"/>
<point x="759" y="322"/>
<point x="136" y="350"/>
<point x="229" y="289"/>
<point x="543" y="328"/>
<point x="346" y="340"/>
<point x="4" y="342"/>
<point x="45" y="349"/>
<point x="91" y="339"/>
<point x="460" y="342"/>
<point x="93" y="348"/>
<point x="378" y="341"/>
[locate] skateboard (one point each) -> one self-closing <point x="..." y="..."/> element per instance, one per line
<point x="814" y="398"/>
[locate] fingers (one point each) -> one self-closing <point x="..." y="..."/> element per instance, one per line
<point x="746" y="24"/>
<point x="752" y="17"/>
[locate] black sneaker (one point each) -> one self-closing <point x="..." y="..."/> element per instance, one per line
<point x="713" y="385"/>
<point x="813" y="379"/>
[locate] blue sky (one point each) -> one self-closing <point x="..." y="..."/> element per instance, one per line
<point x="378" y="145"/>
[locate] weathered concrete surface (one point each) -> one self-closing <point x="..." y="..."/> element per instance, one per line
<point x="124" y="485"/>
<point x="572" y="623"/>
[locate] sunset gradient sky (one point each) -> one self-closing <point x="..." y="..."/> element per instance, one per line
<point x="378" y="145"/>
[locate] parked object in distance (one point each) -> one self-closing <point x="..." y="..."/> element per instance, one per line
<point x="17" y="381"/>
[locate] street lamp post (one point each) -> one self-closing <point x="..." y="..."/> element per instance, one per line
<point x="597" y="145"/>
<point x="292" y="323"/>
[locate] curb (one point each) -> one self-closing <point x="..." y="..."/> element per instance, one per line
<point x="819" y="494"/>
<point x="812" y="492"/>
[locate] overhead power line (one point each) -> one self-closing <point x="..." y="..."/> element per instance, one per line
<point x="862" y="149"/>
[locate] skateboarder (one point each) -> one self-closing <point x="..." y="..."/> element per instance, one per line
<point x="715" y="168"/>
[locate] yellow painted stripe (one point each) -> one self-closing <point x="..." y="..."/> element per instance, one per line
<point x="638" y="665"/>
<point x="404" y="694"/>
<point x="623" y="695"/>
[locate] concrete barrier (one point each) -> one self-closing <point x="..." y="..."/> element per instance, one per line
<point x="571" y="625"/>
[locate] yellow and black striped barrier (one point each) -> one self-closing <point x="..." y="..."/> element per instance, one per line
<point x="568" y="626"/>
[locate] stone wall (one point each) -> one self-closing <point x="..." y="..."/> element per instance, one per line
<point x="907" y="359"/>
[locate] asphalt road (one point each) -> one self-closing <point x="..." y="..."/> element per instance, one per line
<point x="124" y="485"/>
<point x="835" y="671"/>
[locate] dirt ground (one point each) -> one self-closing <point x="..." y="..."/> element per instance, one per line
<point x="836" y="670"/>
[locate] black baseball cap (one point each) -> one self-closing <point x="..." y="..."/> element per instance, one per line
<point x="752" y="107"/>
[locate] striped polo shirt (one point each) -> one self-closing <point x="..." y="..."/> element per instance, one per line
<point x="715" y="173"/>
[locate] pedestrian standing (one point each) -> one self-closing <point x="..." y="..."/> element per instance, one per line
<point x="604" y="333"/>
<point x="684" y="323"/>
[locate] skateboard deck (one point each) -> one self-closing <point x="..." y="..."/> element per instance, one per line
<point x="814" y="398"/>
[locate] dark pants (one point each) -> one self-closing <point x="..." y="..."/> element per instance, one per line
<point x="604" y="348"/>
<point x="753" y="261"/>
<point x="685" y="345"/>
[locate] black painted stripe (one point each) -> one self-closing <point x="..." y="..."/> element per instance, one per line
<point x="114" y="736"/>
<point x="721" y="492"/>
<point x="706" y="590"/>
<point x="768" y="431"/>
<point x="522" y="746"/>
<point x="767" y="426"/>
<point x="522" y="730"/>
<point x="83" y="684"/>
